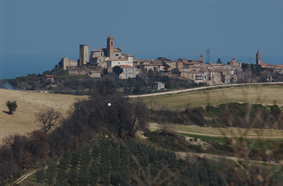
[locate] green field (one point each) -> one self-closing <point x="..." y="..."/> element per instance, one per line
<point x="255" y="94"/>
<point x="252" y="143"/>
<point x="218" y="132"/>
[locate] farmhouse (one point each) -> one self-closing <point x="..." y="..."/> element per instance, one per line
<point x="49" y="78"/>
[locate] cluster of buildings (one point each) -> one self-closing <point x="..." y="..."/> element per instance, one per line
<point x="275" y="68"/>
<point x="196" y="70"/>
<point x="105" y="58"/>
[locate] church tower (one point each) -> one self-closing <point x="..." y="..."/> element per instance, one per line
<point x="110" y="47"/>
<point x="258" y="58"/>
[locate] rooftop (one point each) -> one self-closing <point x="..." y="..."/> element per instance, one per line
<point x="126" y="66"/>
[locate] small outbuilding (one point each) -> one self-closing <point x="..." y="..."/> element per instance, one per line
<point x="158" y="85"/>
<point x="49" y="78"/>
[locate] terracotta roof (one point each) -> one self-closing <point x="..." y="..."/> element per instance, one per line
<point x="128" y="55"/>
<point x="110" y="37"/>
<point x="201" y="55"/>
<point x="153" y="64"/>
<point x="126" y="66"/>
<point x="49" y="76"/>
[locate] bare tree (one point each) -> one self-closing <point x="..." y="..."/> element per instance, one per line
<point x="49" y="118"/>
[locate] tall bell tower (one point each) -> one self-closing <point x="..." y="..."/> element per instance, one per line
<point x="110" y="47"/>
<point x="258" y="58"/>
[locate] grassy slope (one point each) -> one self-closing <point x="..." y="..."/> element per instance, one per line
<point x="191" y="130"/>
<point x="29" y="103"/>
<point x="216" y="134"/>
<point x="263" y="94"/>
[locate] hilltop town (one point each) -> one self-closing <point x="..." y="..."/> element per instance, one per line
<point x="139" y="76"/>
<point x="190" y="69"/>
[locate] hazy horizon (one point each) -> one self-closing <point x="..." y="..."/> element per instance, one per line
<point x="140" y="28"/>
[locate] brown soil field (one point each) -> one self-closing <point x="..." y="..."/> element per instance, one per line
<point x="29" y="103"/>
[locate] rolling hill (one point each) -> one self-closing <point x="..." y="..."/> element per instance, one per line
<point x="29" y="103"/>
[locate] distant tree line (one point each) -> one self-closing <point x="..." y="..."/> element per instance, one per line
<point x="81" y="84"/>
<point x="223" y="115"/>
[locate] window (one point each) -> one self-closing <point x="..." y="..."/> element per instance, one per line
<point x="111" y="42"/>
<point x="117" y="54"/>
<point x="118" y="63"/>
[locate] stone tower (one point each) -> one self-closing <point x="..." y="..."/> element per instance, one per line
<point x="110" y="47"/>
<point x="83" y="54"/>
<point x="201" y="57"/>
<point x="258" y="58"/>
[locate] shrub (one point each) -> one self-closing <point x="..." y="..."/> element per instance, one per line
<point x="40" y="176"/>
<point x="12" y="106"/>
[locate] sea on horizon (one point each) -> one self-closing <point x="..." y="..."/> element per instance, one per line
<point x="12" y="66"/>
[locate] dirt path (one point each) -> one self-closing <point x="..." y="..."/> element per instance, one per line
<point x="23" y="177"/>
<point x="231" y="136"/>
<point x="156" y="126"/>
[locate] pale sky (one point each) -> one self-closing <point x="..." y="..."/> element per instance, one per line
<point x="141" y="27"/>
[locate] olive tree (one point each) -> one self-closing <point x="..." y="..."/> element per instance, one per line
<point x="12" y="106"/>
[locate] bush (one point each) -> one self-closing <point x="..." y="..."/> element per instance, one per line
<point x="12" y="106"/>
<point x="40" y="176"/>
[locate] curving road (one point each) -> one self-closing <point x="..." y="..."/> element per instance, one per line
<point x="203" y="88"/>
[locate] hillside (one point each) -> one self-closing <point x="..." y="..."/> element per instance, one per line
<point x="29" y="103"/>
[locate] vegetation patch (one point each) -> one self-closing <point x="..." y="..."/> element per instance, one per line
<point x="224" y="115"/>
